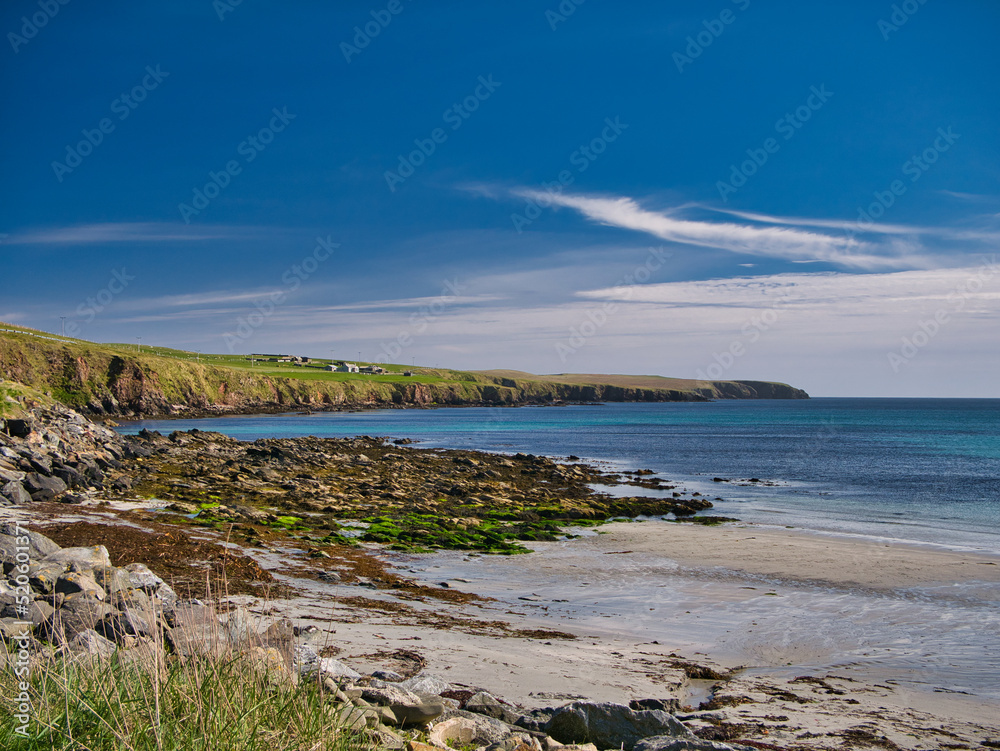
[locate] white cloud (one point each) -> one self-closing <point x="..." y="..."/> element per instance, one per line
<point x="85" y="234"/>
<point x="781" y="242"/>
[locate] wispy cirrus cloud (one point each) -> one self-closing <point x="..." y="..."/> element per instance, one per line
<point x="113" y="232"/>
<point x="784" y="241"/>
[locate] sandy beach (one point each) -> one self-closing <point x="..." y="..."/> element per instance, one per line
<point x="797" y="555"/>
<point x="786" y="688"/>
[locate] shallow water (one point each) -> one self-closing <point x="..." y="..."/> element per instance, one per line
<point x="930" y="638"/>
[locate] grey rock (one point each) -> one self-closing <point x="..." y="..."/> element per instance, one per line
<point x="469" y="728"/>
<point x="89" y="642"/>
<point x="143" y="578"/>
<point x="166" y="595"/>
<point x="39" y="545"/>
<point x="12" y="628"/>
<point x="428" y="709"/>
<point x="129" y="622"/>
<point x="387" y="695"/>
<point x="387" y="675"/>
<point x="425" y="683"/>
<point x="490" y="706"/>
<point x="113" y="579"/>
<point x="331" y="668"/>
<point x="72" y="583"/>
<point x="14" y="492"/>
<point x="37" y="483"/>
<point x="536" y="719"/>
<point x="240" y="628"/>
<point x="305" y="660"/>
<point x="86" y="558"/>
<point x="9" y="474"/>
<point x="612" y="725"/>
<point x="38" y="612"/>
<point x="409" y="708"/>
<point x="43" y="576"/>
<point x="69" y="476"/>
<point x="77" y="614"/>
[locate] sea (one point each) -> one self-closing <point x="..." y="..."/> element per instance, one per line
<point x="920" y="471"/>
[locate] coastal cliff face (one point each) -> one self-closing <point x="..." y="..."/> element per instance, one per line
<point x="100" y="381"/>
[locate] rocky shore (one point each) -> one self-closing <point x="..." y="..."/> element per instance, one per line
<point x="126" y="531"/>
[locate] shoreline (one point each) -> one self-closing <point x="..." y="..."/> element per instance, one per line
<point x="768" y="635"/>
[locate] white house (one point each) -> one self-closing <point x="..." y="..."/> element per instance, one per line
<point x="348" y="367"/>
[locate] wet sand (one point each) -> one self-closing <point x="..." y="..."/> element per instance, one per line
<point x="724" y="597"/>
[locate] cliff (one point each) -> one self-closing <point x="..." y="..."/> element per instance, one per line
<point x="112" y="380"/>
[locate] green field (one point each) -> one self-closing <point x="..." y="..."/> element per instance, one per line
<point x="148" y="379"/>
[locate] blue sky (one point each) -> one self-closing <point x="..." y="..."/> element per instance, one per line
<point x="805" y="192"/>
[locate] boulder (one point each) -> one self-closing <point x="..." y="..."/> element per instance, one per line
<point x="76" y="615"/>
<point x="425" y="683"/>
<point x="12" y="629"/>
<point x="37" y="612"/>
<point x="407" y="707"/>
<point x="72" y="583"/>
<point x="113" y="579"/>
<point x="14" y="492"/>
<point x="386" y="695"/>
<point x="39" y="545"/>
<point x="490" y="706"/>
<point x="44" y="576"/>
<point x="612" y="725"/>
<point x="305" y="659"/>
<point x="469" y="730"/>
<point x="331" y="668"/>
<point x="36" y="483"/>
<point x="122" y="623"/>
<point x="89" y="642"/>
<point x="85" y="558"/>
<point x="143" y="578"/>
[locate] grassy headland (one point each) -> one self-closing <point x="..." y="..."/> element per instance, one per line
<point x="120" y="379"/>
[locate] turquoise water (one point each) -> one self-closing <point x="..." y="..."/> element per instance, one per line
<point x="922" y="470"/>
